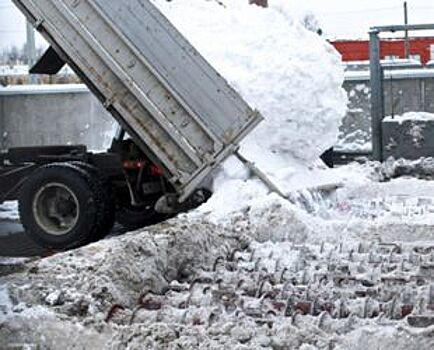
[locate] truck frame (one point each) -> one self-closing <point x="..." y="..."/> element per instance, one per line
<point x="179" y="119"/>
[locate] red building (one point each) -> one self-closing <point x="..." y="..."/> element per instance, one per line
<point x="358" y="50"/>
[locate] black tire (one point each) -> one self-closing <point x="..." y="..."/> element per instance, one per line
<point x="133" y="218"/>
<point x="107" y="213"/>
<point x="76" y="187"/>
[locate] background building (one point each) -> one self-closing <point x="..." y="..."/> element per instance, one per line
<point x="421" y="49"/>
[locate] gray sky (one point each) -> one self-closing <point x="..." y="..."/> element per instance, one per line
<point x="353" y="18"/>
<point x="339" y="18"/>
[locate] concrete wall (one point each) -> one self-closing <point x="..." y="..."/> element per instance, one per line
<point x="62" y="114"/>
<point x="410" y="90"/>
<point x="408" y="138"/>
<point x="51" y="115"/>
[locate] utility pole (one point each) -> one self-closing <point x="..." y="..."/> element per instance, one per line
<point x="407" y="42"/>
<point x="31" y="50"/>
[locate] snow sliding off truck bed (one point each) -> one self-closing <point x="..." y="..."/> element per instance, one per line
<point x="181" y="116"/>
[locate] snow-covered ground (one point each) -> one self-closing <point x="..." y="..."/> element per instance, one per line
<point x="411" y="116"/>
<point x="9" y="220"/>
<point x="9" y="212"/>
<point x="13" y="70"/>
<point x="327" y="269"/>
<point x="354" y="273"/>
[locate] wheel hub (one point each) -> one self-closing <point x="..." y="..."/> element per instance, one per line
<point x="56" y="209"/>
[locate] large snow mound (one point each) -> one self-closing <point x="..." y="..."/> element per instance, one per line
<point x="292" y="75"/>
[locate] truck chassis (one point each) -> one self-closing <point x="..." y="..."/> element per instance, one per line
<point x="70" y="197"/>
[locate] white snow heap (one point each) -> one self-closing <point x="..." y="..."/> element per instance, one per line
<point x="411" y="116"/>
<point x="293" y="76"/>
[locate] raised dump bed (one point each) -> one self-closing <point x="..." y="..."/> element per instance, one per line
<point x="174" y="105"/>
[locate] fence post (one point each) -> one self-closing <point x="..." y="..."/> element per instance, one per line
<point x="377" y="103"/>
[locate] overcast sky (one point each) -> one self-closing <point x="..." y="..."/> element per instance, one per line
<point x="353" y="18"/>
<point x="338" y="18"/>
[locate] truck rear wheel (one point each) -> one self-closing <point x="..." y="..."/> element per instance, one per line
<point x="59" y="206"/>
<point x="107" y="210"/>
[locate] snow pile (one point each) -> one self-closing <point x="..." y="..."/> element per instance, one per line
<point x="7" y="70"/>
<point x="5" y="303"/>
<point x="422" y="168"/>
<point x="411" y="116"/>
<point x="293" y="76"/>
<point x="9" y="211"/>
<point x="355" y="141"/>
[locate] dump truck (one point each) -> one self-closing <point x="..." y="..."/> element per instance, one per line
<point x="178" y="120"/>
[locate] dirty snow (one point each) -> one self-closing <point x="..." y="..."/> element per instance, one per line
<point x="274" y="277"/>
<point x="9" y="211"/>
<point x="5" y="303"/>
